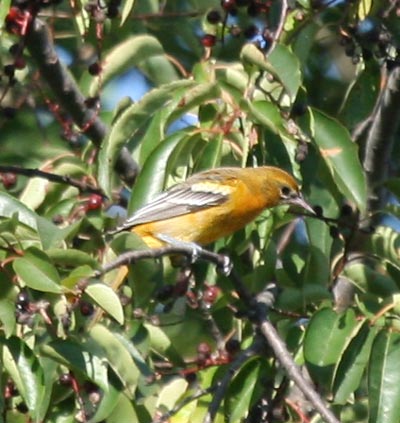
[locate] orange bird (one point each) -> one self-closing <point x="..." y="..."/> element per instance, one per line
<point x="212" y="204"/>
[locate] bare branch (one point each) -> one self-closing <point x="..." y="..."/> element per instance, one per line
<point x="380" y="140"/>
<point x="32" y="173"/>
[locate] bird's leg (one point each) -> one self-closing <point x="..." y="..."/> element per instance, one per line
<point x="196" y="250"/>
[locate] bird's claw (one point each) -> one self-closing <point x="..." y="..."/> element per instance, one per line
<point x="226" y="266"/>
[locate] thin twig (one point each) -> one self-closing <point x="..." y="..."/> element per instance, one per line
<point x="60" y="179"/>
<point x="281" y="24"/>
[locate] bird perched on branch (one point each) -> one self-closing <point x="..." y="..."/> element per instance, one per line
<point x="212" y="204"/>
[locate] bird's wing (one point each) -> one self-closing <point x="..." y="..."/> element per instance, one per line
<point x="181" y="199"/>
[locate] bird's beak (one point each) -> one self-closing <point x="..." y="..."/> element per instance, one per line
<point x="299" y="201"/>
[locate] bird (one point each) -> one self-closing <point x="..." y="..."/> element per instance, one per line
<point x="212" y="204"/>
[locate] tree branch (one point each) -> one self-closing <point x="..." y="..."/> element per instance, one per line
<point x="60" y="179"/>
<point x="258" y="308"/>
<point x="380" y="140"/>
<point x="40" y="44"/>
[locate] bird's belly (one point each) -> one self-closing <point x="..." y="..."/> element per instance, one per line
<point x="202" y="227"/>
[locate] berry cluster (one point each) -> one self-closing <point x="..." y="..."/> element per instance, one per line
<point x="218" y="22"/>
<point x="367" y="39"/>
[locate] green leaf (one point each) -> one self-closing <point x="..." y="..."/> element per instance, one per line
<point x="341" y="156"/>
<point x="367" y="279"/>
<point x="286" y="65"/>
<point x="127" y="7"/>
<point x="211" y="154"/>
<point x="107" y="299"/>
<point x="137" y="50"/>
<point x="241" y="391"/>
<point x="264" y="113"/>
<point x="327" y="334"/>
<point x="71" y="257"/>
<point x="129" y="121"/>
<point x="37" y="272"/>
<point x="9" y="206"/>
<point x="124" y="411"/>
<point x="353" y="363"/>
<point x="383" y="378"/>
<point x="152" y="178"/>
<point x="35" y="192"/>
<point x="76" y="357"/>
<point x="118" y="357"/>
<point x="25" y="370"/>
<point x="171" y="392"/>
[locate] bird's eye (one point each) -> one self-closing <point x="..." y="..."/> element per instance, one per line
<point x="285" y="191"/>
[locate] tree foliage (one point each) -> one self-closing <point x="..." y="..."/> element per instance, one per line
<point x="309" y="86"/>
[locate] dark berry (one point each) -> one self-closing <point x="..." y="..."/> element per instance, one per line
<point x="252" y="10"/>
<point x="65" y="379"/>
<point x="95" y="68"/>
<point x="241" y="3"/>
<point x="14" y="49"/>
<point x="214" y="17"/>
<point x="299" y="108"/>
<point x="164" y="293"/>
<point x="19" y="62"/>
<point x="9" y="112"/>
<point x="94" y="202"/>
<point x="251" y="31"/>
<point x="9" y="70"/>
<point x="203" y="352"/>
<point x="86" y="308"/>
<point x="209" y="40"/>
<point x="210" y="294"/>
<point x="23" y="300"/>
<point x="9" y="180"/>
<point x="92" y="102"/>
<point x="232" y="346"/>
<point x="22" y="408"/>
<point x="112" y="11"/>
<point x="228" y="4"/>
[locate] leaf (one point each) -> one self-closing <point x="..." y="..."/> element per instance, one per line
<point x="286" y="65"/>
<point x="171" y="392"/>
<point x="71" y="257"/>
<point x="107" y="299"/>
<point x="264" y="113"/>
<point x="341" y="156"/>
<point x="127" y="8"/>
<point x="136" y="50"/>
<point x="327" y="334"/>
<point x="123" y="411"/>
<point x="118" y="357"/>
<point x="25" y="370"/>
<point x="9" y="206"/>
<point x="129" y="121"/>
<point x="76" y="357"/>
<point x="353" y="363"/>
<point x="370" y="280"/>
<point x="34" y="192"/>
<point x="241" y="391"/>
<point x="153" y="175"/>
<point x="383" y="378"/>
<point x="37" y="272"/>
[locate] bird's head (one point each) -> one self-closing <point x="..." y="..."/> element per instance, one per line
<point x="288" y="189"/>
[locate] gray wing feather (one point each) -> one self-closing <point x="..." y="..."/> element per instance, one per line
<point x="177" y="201"/>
